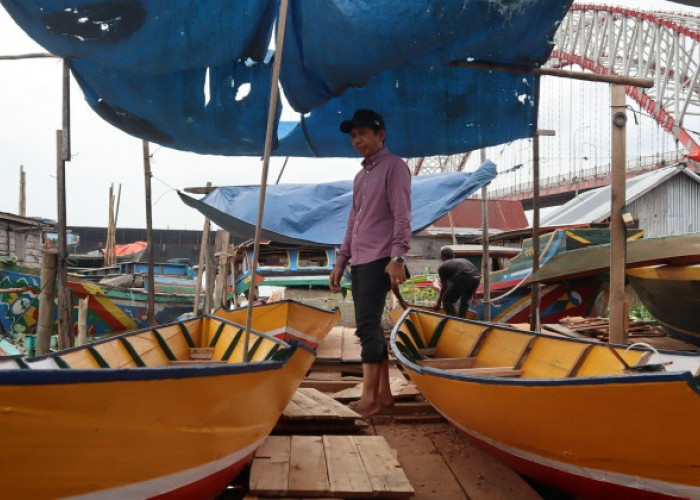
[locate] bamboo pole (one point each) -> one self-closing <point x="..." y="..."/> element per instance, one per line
<point x="203" y="248"/>
<point x="485" y="258"/>
<point x="65" y="315"/>
<point x="223" y="238"/>
<point x="271" y="113"/>
<point x="151" y="312"/>
<point x="65" y="337"/>
<point x="452" y="227"/>
<point x="82" y="320"/>
<point x="562" y="73"/>
<point x="22" y="192"/>
<point x="46" y="302"/>
<point x="618" y="240"/>
<point x="536" y="287"/>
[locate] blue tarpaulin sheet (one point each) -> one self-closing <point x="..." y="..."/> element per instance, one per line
<point x="195" y="75"/>
<point x="318" y="213"/>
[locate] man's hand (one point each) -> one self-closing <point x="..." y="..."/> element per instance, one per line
<point x="334" y="279"/>
<point x="396" y="273"/>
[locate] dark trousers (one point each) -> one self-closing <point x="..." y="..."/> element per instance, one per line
<point x="461" y="289"/>
<point x="370" y="285"/>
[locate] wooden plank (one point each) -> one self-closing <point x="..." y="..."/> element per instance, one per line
<point x="563" y="330"/>
<point x="448" y="363"/>
<point x="331" y="347"/>
<point x="346" y="472"/>
<point x="269" y="473"/>
<point x="338" y="410"/>
<point x="489" y="371"/>
<point x="308" y="472"/>
<point x="383" y="468"/>
<point x="351" y="347"/>
<point x="396" y="385"/>
<point x="328" y="385"/>
<point x="197" y="362"/>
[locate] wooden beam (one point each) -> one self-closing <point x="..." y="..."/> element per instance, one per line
<point x="618" y="233"/>
<point x="46" y="302"/>
<point x="22" y="192"/>
<point x="26" y="56"/>
<point x="151" y="311"/>
<point x="485" y="258"/>
<point x="203" y="248"/>
<point x="562" y="73"/>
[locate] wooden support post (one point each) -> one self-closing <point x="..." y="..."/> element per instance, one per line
<point x="536" y="287"/>
<point x="82" y="320"/>
<point x="203" y="249"/>
<point x="151" y="313"/>
<point x="452" y="227"/>
<point x="618" y="233"/>
<point x="222" y="240"/>
<point x="535" y="293"/>
<point x="22" y="192"/>
<point x="46" y="302"/>
<point x="486" y="258"/>
<point x="210" y="269"/>
<point x="65" y="331"/>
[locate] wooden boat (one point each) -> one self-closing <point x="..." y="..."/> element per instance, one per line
<point x="110" y="309"/>
<point x="172" y="411"/>
<point x="284" y="265"/>
<point x="566" y="412"/>
<point x="672" y="295"/>
<point x="511" y="293"/>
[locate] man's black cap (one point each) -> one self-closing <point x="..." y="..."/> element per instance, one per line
<point x="363" y="118"/>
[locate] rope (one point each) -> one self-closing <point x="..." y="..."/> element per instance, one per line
<point x="544" y="251"/>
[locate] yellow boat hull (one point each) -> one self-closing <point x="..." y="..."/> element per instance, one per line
<point x="563" y="411"/>
<point x="173" y="427"/>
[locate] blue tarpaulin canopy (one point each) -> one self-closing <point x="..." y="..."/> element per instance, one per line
<point x="318" y="213"/>
<point x="195" y="75"/>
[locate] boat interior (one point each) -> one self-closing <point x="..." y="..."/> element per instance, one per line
<point x="479" y="349"/>
<point x="204" y="340"/>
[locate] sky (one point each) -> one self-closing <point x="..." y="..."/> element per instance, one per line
<point x="30" y="114"/>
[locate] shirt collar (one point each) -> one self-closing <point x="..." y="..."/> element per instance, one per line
<point x="371" y="162"/>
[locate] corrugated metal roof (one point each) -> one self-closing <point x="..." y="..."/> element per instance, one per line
<point x="504" y="215"/>
<point x="24" y="221"/>
<point x="594" y="206"/>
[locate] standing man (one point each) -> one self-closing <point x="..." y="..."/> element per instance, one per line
<point x="459" y="279"/>
<point x="376" y="241"/>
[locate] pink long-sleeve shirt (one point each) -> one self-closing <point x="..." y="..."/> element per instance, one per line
<point x="380" y="218"/>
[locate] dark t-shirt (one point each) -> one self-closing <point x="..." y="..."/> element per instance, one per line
<point x="452" y="268"/>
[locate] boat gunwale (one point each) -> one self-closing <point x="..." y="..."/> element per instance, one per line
<point x="283" y="301"/>
<point x="625" y="378"/>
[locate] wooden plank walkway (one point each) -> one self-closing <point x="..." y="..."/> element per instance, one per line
<point x="311" y="411"/>
<point x="340" y="351"/>
<point x="328" y="466"/>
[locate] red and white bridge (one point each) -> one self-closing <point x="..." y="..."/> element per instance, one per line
<point x="620" y="41"/>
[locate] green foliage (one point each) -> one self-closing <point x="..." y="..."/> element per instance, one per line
<point x="640" y="313"/>
<point x="419" y="296"/>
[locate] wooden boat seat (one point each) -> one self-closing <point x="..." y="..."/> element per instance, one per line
<point x="488" y="371"/>
<point x="199" y="356"/>
<point x="448" y="363"/>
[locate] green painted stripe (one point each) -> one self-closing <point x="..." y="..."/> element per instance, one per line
<point x="433" y="342"/>
<point x="61" y="362"/>
<point x="417" y="339"/>
<point x="132" y="352"/>
<point x="254" y="348"/>
<point x="21" y="363"/>
<point x="404" y="350"/>
<point x="102" y="362"/>
<point x="232" y="345"/>
<point x="217" y="334"/>
<point x="271" y="353"/>
<point x="186" y="334"/>
<point x="164" y="346"/>
<point x="409" y="345"/>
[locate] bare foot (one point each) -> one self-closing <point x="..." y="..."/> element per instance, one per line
<point x="387" y="402"/>
<point x="365" y="410"/>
